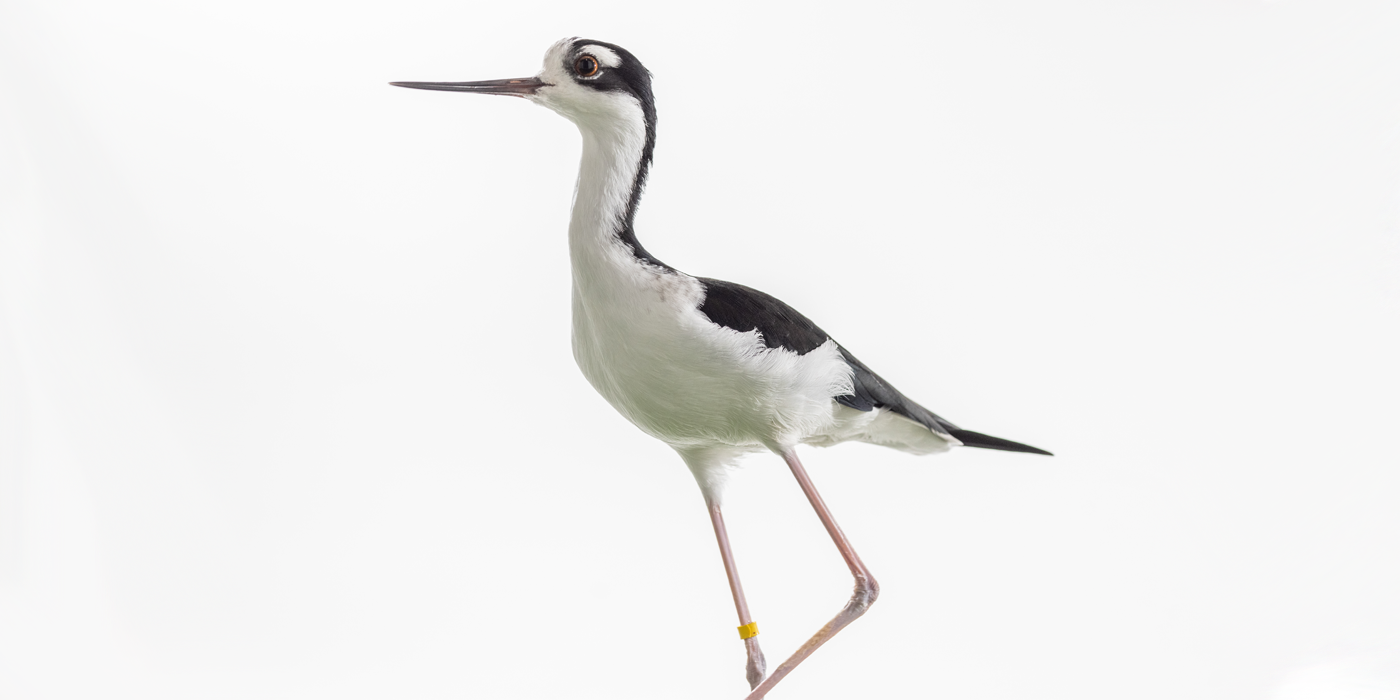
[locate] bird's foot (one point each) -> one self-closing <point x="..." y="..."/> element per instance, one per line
<point x="757" y="667"/>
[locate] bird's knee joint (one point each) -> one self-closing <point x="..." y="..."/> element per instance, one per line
<point x="867" y="590"/>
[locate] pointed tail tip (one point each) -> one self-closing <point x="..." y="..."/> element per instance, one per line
<point x="987" y="442"/>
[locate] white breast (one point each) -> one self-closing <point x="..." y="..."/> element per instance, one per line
<point x="638" y="335"/>
<point x="641" y="341"/>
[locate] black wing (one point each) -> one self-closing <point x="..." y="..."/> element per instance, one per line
<point x="872" y="391"/>
<point x="745" y="309"/>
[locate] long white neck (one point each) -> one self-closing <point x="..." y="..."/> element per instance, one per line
<point x="612" y="155"/>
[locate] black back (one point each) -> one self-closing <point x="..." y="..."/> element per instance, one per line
<point x="744" y="309"/>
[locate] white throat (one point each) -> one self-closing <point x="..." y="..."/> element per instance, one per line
<point x="613" y="144"/>
<point x="607" y="173"/>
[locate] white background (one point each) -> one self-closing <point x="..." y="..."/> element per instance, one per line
<point x="287" y="407"/>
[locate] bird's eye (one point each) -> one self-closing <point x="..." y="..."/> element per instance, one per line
<point x="586" y="66"/>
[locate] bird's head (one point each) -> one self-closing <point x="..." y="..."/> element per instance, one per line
<point x="597" y="85"/>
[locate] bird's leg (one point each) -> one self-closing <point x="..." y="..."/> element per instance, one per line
<point x="747" y="630"/>
<point x="865" y="592"/>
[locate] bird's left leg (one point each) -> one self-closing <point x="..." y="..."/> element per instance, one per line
<point x="748" y="629"/>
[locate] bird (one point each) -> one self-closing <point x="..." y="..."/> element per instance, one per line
<point x="714" y="369"/>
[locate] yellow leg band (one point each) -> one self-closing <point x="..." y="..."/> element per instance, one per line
<point x="749" y="630"/>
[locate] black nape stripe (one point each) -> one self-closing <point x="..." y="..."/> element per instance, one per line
<point x="633" y="78"/>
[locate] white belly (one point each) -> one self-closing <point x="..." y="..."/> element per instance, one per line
<point x="692" y="384"/>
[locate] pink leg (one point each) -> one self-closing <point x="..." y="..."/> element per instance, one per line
<point x="867" y="590"/>
<point x="756" y="666"/>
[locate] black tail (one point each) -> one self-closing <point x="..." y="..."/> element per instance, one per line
<point x="870" y="392"/>
<point x="987" y="442"/>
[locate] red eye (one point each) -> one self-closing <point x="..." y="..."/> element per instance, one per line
<point x="586" y="66"/>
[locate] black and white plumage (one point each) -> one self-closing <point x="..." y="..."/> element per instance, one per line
<point x="714" y="369"/>
<point x="781" y="326"/>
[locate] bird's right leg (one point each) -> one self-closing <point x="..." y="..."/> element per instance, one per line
<point x="748" y="630"/>
<point x="866" y="589"/>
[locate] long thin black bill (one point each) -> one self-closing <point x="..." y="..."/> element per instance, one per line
<point x="517" y="87"/>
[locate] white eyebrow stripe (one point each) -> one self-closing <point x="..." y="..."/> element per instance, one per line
<point x="605" y="55"/>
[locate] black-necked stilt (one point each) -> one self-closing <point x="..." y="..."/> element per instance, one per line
<point x="714" y="369"/>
